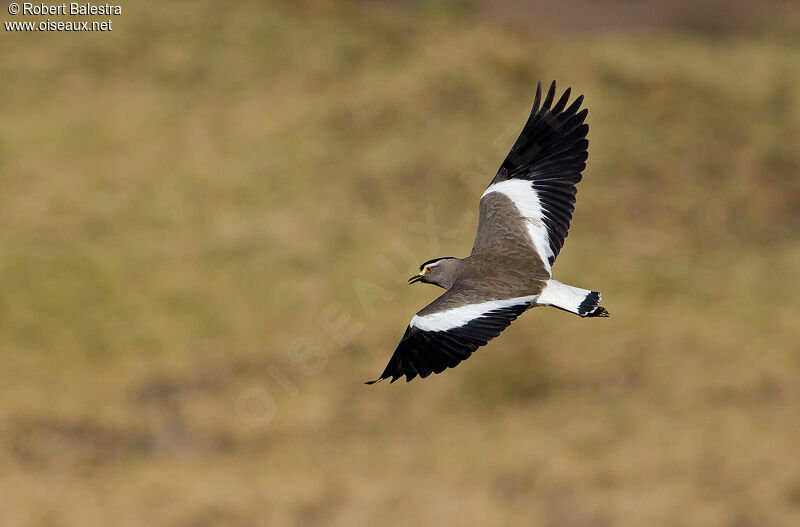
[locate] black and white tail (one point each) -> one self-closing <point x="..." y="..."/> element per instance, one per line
<point x="573" y="299"/>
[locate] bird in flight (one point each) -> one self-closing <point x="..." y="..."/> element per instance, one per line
<point x="524" y="218"/>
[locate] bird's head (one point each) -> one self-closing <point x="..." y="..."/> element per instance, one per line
<point x="439" y="271"/>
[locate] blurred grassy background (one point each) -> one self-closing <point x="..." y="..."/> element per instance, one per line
<point x="208" y="215"/>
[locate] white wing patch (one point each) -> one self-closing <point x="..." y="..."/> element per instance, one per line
<point x="527" y="201"/>
<point x="459" y="316"/>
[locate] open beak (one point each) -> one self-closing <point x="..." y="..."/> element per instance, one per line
<point x="416" y="278"/>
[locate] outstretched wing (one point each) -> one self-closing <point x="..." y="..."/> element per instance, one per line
<point x="448" y="330"/>
<point x="538" y="176"/>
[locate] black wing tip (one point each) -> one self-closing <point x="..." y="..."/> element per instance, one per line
<point x="540" y="106"/>
<point x="551" y="132"/>
<point x="551" y="93"/>
<point x="408" y="376"/>
<point x="537" y="98"/>
<point x="391" y="377"/>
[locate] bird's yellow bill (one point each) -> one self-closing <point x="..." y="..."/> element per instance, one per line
<point x="417" y="277"/>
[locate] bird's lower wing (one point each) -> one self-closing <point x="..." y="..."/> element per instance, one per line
<point x="437" y="339"/>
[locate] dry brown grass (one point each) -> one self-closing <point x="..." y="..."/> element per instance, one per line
<point x="193" y="202"/>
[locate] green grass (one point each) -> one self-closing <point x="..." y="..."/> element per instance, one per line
<point x="208" y="215"/>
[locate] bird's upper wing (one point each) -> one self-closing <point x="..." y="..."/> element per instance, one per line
<point x="538" y="176"/>
<point x="449" y="329"/>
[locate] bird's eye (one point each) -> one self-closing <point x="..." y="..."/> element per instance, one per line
<point x="428" y="269"/>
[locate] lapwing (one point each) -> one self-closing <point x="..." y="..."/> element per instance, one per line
<point x="524" y="218"/>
